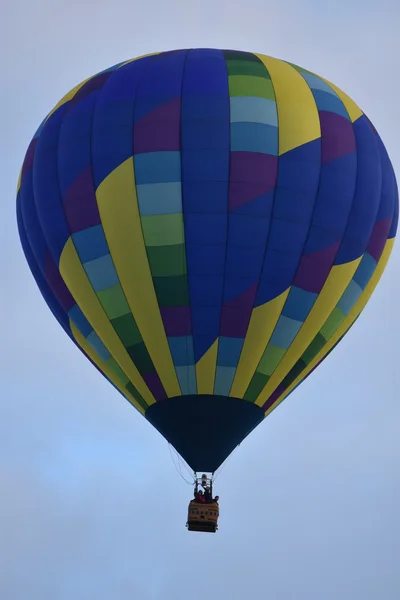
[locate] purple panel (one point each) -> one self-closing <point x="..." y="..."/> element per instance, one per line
<point x="177" y="320"/>
<point x="244" y="300"/>
<point x="378" y="238"/>
<point x="155" y="386"/>
<point x="337" y="136"/>
<point x="234" y="321"/>
<point x="93" y="84"/>
<point x="57" y="285"/>
<point x="80" y="203"/>
<point x="274" y="396"/>
<point x="251" y="175"/>
<point x="314" y="269"/>
<point x="29" y="156"/>
<point x="236" y="313"/>
<point x="160" y="129"/>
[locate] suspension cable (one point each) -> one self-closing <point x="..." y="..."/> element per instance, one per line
<point x="179" y="470"/>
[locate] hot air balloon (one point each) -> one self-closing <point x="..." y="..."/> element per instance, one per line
<point x="206" y="225"/>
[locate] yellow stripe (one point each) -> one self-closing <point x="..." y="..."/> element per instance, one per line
<point x="127" y="62"/>
<point x="103" y="366"/>
<point x="19" y="180"/>
<point x="354" y="111"/>
<point x="336" y="283"/>
<point x="351" y="317"/>
<point x="205" y="370"/>
<point x="297" y="112"/>
<point x="119" y="212"/>
<point x="76" y="280"/>
<point x="69" y="95"/>
<point x="261" y="326"/>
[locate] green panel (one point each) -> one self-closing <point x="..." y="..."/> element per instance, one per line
<point x="271" y="359"/>
<point x="127" y="330"/>
<point x="166" y="261"/>
<point x="316" y="345"/>
<point x="301" y="70"/>
<point x="141" y="358"/>
<point x="241" y="67"/>
<point x="243" y="85"/>
<point x="133" y="391"/>
<point x="163" y="230"/>
<point x="255" y="387"/>
<point x="172" y="291"/>
<point x="294" y="373"/>
<point x="113" y="301"/>
<point x="242" y="56"/>
<point x="114" y="366"/>
<point x="333" y="323"/>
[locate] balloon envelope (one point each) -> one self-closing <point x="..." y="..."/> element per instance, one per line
<point x="206" y="225"/>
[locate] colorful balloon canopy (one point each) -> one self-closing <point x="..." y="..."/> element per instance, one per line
<point x="206" y="225"/>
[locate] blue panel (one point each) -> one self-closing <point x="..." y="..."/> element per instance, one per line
<point x="206" y="290"/>
<point x="74" y="143"/>
<point x="298" y="304"/>
<point x="43" y="286"/>
<point x="285" y="331"/>
<point x="201" y="134"/>
<point x="247" y="230"/>
<point x="205" y="101"/>
<point x="223" y="380"/>
<point x="205" y="196"/>
<point x="367" y="194"/>
<point x="113" y="120"/>
<point x="205" y="106"/>
<point x="160" y="198"/>
<point x="389" y="186"/>
<point x="298" y="178"/>
<point x="255" y="110"/>
<point x="278" y="273"/>
<point x="395" y="219"/>
<point x="203" y="344"/>
<point x="101" y="273"/>
<point x="316" y="83"/>
<point x="205" y="165"/>
<point x="161" y="81"/>
<point x="327" y="101"/>
<point x="206" y="260"/>
<point x="365" y="270"/>
<point x="32" y="226"/>
<point x="229" y="350"/>
<point x="98" y="346"/>
<point x="350" y="297"/>
<point x="254" y="137"/>
<point x="244" y="261"/>
<point x="335" y="196"/>
<point x="203" y="229"/>
<point x="187" y="379"/>
<point x="321" y="239"/>
<point x="46" y="187"/>
<point x="90" y="243"/>
<point x="205" y="319"/>
<point x="181" y="350"/>
<point x="80" y="321"/>
<point x="234" y="287"/>
<point x="157" y="167"/>
<point x="288" y="236"/>
<point x="205" y="75"/>
<point x="259" y="207"/>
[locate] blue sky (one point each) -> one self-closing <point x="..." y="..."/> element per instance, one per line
<point x="309" y="503"/>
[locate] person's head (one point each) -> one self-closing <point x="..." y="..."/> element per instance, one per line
<point x="216" y="498"/>
<point x="200" y="492"/>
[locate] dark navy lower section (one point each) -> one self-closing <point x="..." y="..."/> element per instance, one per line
<point x="204" y="429"/>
